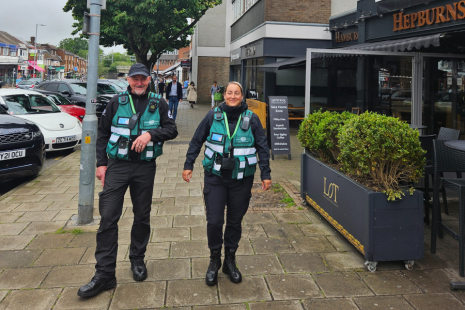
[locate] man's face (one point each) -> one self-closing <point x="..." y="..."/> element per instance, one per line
<point x="175" y="78"/>
<point x="139" y="84"/>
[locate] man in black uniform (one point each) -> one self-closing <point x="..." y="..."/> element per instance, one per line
<point x="161" y="87"/>
<point x="131" y="133"/>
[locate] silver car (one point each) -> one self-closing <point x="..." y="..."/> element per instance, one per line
<point x="26" y="85"/>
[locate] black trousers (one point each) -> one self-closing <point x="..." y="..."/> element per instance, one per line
<point x="219" y="192"/>
<point x="139" y="176"/>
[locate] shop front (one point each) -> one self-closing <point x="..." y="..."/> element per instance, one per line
<point x="404" y="59"/>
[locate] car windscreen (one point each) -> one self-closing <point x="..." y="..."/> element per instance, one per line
<point x="29" y="104"/>
<point x="79" y="88"/>
<point x="108" y="88"/>
<point x="100" y="90"/>
<point x="58" y="99"/>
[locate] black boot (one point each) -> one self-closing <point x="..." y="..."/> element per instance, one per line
<point x="96" y="286"/>
<point x="215" y="264"/>
<point x="139" y="271"/>
<point x="229" y="265"/>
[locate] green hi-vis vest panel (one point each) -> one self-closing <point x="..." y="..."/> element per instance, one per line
<point x="121" y="132"/>
<point x="243" y="143"/>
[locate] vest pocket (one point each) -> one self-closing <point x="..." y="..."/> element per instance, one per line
<point x="148" y="153"/>
<point x="209" y="159"/>
<point x="239" y="169"/>
<point x="112" y="146"/>
<point x="251" y="165"/>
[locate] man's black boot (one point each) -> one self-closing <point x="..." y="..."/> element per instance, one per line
<point x="139" y="271"/>
<point x="96" y="286"/>
<point x="215" y="264"/>
<point x="229" y="265"/>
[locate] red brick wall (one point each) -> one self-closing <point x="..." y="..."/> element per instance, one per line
<point x="211" y="69"/>
<point x="298" y="11"/>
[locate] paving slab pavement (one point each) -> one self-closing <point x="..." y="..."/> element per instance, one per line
<point x="290" y="258"/>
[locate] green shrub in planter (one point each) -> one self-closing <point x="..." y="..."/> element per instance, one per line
<point x="383" y="149"/>
<point x="318" y="133"/>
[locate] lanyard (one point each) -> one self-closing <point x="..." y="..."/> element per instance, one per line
<point x="132" y="104"/>
<point x="227" y="126"/>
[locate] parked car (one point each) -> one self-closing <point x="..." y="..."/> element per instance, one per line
<point x="61" y="131"/>
<point x="121" y="83"/>
<point x="103" y="88"/>
<point x="75" y="93"/>
<point x="64" y="104"/>
<point x="25" y="84"/>
<point x="22" y="147"/>
<point x="36" y="81"/>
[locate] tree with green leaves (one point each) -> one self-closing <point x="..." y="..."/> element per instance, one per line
<point x="145" y="26"/>
<point x="74" y="45"/>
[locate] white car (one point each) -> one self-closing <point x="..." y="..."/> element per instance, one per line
<point x="61" y="130"/>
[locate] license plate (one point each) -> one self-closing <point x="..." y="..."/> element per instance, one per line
<point x="12" y="154"/>
<point x="66" y="139"/>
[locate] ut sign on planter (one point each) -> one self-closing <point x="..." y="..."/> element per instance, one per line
<point x="381" y="230"/>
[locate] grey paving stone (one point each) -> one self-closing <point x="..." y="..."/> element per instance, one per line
<point x="188" y="249"/>
<point x="161" y="221"/>
<point x="65" y="215"/>
<point x="14" y="242"/>
<point x="253" y="231"/>
<point x="61" y="276"/>
<point x="3" y="294"/>
<point x="434" y="301"/>
<point x="49" y="241"/>
<point x="341" y="244"/>
<point x="43" y="227"/>
<point x="292" y="286"/>
<point x="70" y="301"/>
<point x="175" y="192"/>
<point x="189" y="221"/>
<point x="30" y="299"/>
<point x="311" y="244"/>
<point x="271" y="245"/>
<point x="60" y="197"/>
<point x="52" y="190"/>
<point x="200" y="265"/>
<point x="59" y="257"/>
<point x="259" y="265"/>
<point x="165" y="202"/>
<point x="157" y="251"/>
<point x="8" y="207"/>
<point x="171" y="234"/>
<point x="245" y="248"/>
<point x="138" y="295"/>
<point x="15" y="279"/>
<point x="299" y="218"/>
<point x="460" y="295"/>
<point x="26" y="191"/>
<point x="199" y="233"/>
<point x="189" y="200"/>
<point x="84" y="240"/>
<point x="383" y="302"/>
<point x="282" y="230"/>
<point x="342" y="284"/>
<point x="276" y="305"/>
<point x="64" y="205"/>
<point x="197" y="210"/>
<point x="190" y="293"/>
<point x="29" y="198"/>
<point x="318" y="228"/>
<point x="259" y="218"/>
<point x="432" y="261"/>
<point x="344" y="260"/>
<point x="330" y="304"/>
<point x="124" y="273"/>
<point x="389" y="283"/>
<point x="18" y="259"/>
<point x="169" y="269"/>
<point x="13" y="229"/>
<point x="9" y="217"/>
<point x="431" y="281"/>
<point x="251" y="288"/>
<point x="304" y="262"/>
<point x="173" y="210"/>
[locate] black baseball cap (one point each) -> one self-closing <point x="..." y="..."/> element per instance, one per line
<point x="138" y="69"/>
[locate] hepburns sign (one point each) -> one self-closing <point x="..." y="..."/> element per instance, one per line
<point x="437" y="15"/>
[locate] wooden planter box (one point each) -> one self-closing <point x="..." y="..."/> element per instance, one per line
<point x="381" y="230"/>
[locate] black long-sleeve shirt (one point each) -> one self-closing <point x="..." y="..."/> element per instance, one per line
<point x="166" y="131"/>
<point x="202" y="132"/>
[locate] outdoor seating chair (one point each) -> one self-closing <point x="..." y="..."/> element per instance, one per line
<point x="448" y="160"/>
<point x="427" y="144"/>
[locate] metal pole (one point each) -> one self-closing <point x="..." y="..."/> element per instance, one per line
<point x="35" y="53"/>
<point x="89" y="124"/>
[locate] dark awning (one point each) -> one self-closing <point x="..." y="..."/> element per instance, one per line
<point x="285" y="64"/>
<point x="385" y="6"/>
<point x="401" y="45"/>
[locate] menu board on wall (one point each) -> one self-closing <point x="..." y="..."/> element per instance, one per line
<point x="279" y="126"/>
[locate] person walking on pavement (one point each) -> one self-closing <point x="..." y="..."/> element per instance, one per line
<point x="192" y="94"/>
<point x="230" y="162"/>
<point x="130" y="137"/>
<point x="174" y="95"/>
<point x="161" y="87"/>
<point x="213" y="90"/>
<point x="186" y="83"/>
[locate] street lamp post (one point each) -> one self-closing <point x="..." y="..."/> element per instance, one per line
<point x="35" y="47"/>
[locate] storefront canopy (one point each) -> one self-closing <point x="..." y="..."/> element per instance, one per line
<point x="402" y="45"/>
<point x="285" y="64"/>
<point x="384" y="6"/>
<point x="40" y="69"/>
<point x="170" y="68"/>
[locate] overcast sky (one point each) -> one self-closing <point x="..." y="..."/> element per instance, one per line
<point x="19" y="18"/>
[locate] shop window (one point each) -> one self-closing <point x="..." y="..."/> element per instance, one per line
<point x="13" y="53"/>
<point x="5" y="51"/>
<point x="254" y="79"/>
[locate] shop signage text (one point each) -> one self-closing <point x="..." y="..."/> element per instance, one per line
<point x="332" y="191"/>
<point x="279" y="121"/>
<point x="346" y="37"/>
<point x="437" y="15"/>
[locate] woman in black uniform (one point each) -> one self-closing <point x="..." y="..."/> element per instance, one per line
<point x="233" y="136"/>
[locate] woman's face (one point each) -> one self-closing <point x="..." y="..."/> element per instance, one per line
<point x="233" y="95"/>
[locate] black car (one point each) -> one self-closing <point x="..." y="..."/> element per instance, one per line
<point x="22" y="147"/>
<point x="76" y="94"/>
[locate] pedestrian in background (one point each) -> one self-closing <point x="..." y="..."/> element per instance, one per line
<point x="192" y="94"/>
<point x="229" y="166"/>
<point x="213" y="90"/>
<point x="174" y="95"/>
<point x="186" y="83"/>
<point x="161" y="87"/>
<point x="131" y="133"/>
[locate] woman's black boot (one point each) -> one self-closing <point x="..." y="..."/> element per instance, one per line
<point x="229" y="265"/>
<point x="215" y="264"/>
